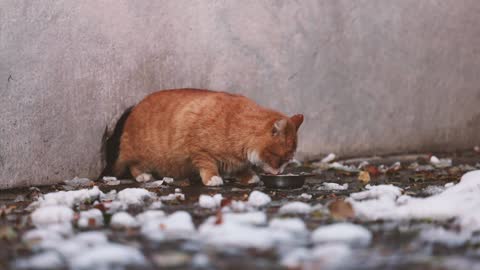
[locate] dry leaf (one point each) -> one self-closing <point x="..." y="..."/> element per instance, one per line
<point x="225" y="202"/>
<point x="219" y="218"/>
<point x="372" y="170"/>
<point x="7" y="233"/>
<point x="92" y="223"/>
<point x="340" y="209"/>
<point x="5" y="210"/>
<point x="364" y="176"/>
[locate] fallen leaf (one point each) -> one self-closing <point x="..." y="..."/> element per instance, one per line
<point x="394" y="167"/>
<point x="92" y="223"/>
<point x="5" y="210"/>
<point x="225" y="202"/>
<point x="101" y="207"/>
<point x="372" y="170"/>
<point x="7" y="233"/>
<point x="364" y="176"/>
<point x="340" y="209"/>
<point x="219" y="218"/>
<point x="417" y="177"/>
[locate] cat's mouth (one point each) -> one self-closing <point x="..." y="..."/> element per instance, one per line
<point x="271" y="170"/>
<point x="268" y="169"/>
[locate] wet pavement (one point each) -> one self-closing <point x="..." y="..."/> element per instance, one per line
<point x="394" y="244"/>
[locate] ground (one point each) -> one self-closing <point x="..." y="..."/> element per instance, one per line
<point x="365" y="224"/>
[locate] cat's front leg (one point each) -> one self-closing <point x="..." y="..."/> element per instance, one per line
<point x="208" y="171"/>
<point x="247" y="176"/>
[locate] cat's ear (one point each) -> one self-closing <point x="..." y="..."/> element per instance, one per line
<point x="279" y="126"/>
<point x="297" y="119"/>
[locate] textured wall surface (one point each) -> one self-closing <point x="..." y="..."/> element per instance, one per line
<point x="376" y="76"/>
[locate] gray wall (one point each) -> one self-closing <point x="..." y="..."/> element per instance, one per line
<point x="376" y="76"/>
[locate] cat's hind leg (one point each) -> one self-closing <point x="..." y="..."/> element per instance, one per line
<point x="139" y="174"/>
<point x="247" y="176"/>
<point x="208" y="171"/>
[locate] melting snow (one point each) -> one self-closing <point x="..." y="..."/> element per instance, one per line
<point x="253" y="218"/>
<point x="440" y="163"/>
<point x="341" y="167"/>
<point x="150" y="215"/>
<point x="432" y="190"/>
<point x="78" y="182"/>
<point x="258" y="198"/>
<point x="374" y="192"/>
<point x="333" y="186"/>
<point x="445" y="237"/>
<point x="329" y="158"/>
<point x="173" y="197"/>
<point x="178" y="225"/>
<point x="330" y="256"/>
<point x="295" y="208"/>
<point x="90" y="218"/>
<point x="123" y="220"/>
<point x="242" y="233"/>
<point x="154" y="184"/>
<point x="70" y="198"/>
<point x="134" y="196"/>
<point x="168" y="180"/>
<point x="207" y="201"/>
<point x="347" y="233"/>
<point x="46" y="260"/>
<point x="88" y="250"/>
<point x="460" y="201"/>
<point x="108" y="256"/>
<point x="305" y="196"/>
<point x="53" y="214"/>
<point x="294" y="225"/>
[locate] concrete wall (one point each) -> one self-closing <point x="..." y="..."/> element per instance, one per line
<point x="376" y="76"/>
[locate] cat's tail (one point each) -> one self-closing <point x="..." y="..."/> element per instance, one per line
<point x="112" y="145"/>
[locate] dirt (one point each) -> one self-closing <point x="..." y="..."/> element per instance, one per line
<point x="394" y="244"/>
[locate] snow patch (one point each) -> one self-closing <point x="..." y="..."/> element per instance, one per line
<point x="440" y="163"/>
<point x="123" y="220"/>
<point x="305" y="196"/>
<point x="445" y="237"/>
<point x="295" y="208"/>
<point x="347" y="233"/>
<point x="294" y="225"/>
<point x="167" y="180"/>
<point x="178" y="225"/>
<point x="258" y="198"/>
<point x="154" y="184"/>
<point x="333" y="186"/>
<point x="45" y="260"/>
<point x="134" y="196"/>
<point x="70" y="198"/>
<point x="432" y="190"/>
<point x="374" y="192"/>
<point x="207" y="201"/>
<point x="90" y="218"/>
<point x="53" y="214"/>
<point x="460" y="201"/>
<point x="329" y="158"/>
<point x="108" y="256"/>
<point x="150" y="215"/>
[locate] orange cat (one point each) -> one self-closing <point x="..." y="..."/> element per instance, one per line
<point x="187" y="132"/>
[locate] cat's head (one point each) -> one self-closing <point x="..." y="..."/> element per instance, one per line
<point x="277" y="144"/>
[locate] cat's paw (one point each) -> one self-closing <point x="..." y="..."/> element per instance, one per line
<point x="214" y="181"/>
<point x="144" y="177"/>
<point x="255" y="179"/>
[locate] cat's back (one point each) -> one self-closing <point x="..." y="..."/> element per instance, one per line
<point x="172" y="112"/>
<point x="184" y="104"/>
